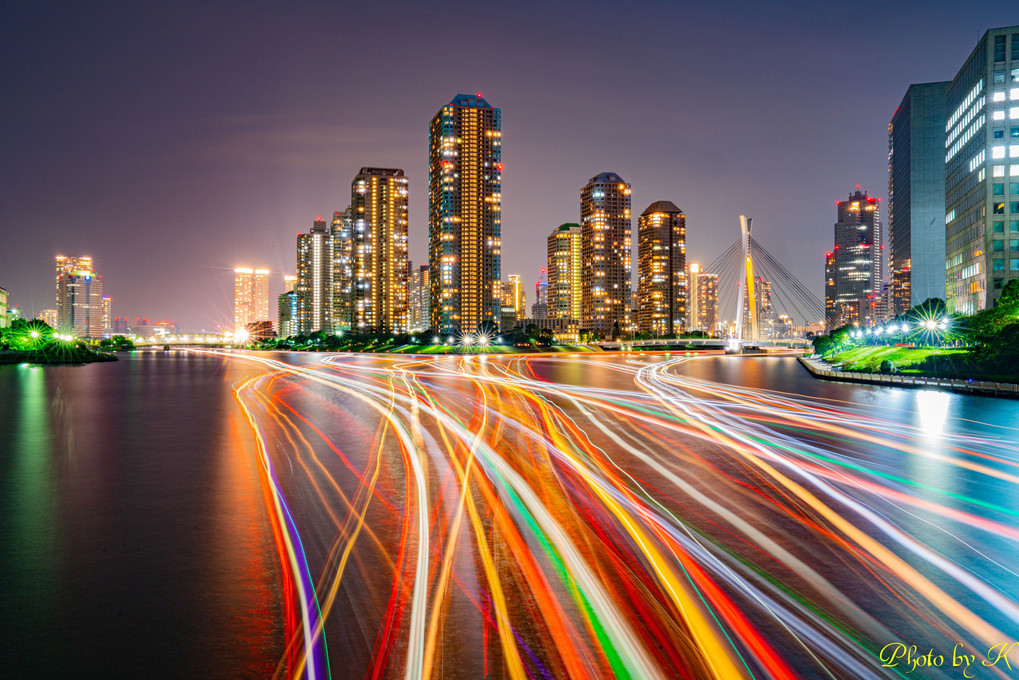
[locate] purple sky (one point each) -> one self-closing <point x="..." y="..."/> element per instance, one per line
<point x="174" y="144"/>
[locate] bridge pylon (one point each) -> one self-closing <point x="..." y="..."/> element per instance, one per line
<point x="746" y="301"/>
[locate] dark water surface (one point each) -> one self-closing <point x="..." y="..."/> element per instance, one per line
<point x="133" y="533"/>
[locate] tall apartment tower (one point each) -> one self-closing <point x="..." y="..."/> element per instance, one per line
<point x="564" y="272"/>
<point x="341" y="229"/>
<point x="314" y="288"/>
<point x="79" y="297"/>
<point x="418" y="316"/>
<point x="251" y="296"/>
<point x="539" y="310"/>
<point x="982" y="173"/>
<point x="693" y="270"/>
<point x="916" y="196"/>
<point x="661" y="269"/>
<point x="378" y="207"/>
<point x="513" y="296"/>
<point x="464" y="214"/>
<point x="605" y="252"/>
<point x="856" y="270"/>
<point x="707" y="301"/>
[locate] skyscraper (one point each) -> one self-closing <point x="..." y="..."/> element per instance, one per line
<point x="513" y="296"/>
<point x="107" y="303"/>
<point x="417" y="298"/>
<point x="661" y="269"/>
<point x="464" y="214"/>
<point x="79" y="297"/>
<point x="857" y="272"/>
<point x="378" y="206"/>
<point x="342" y="231"/>
<point x="251" y="296"/>
<point x="314" y="288"/>
<point x="605" y="248"/>
<point x="982" y="173"/>
<point x="707" y="301"/>
<point x="539" y="310"/>
<point x="693" y="270"/>
<point x="3" y="308"/>
<point x="49" y="317"/>
<point x="564" y="272"/>
<point x="289" y="281"/>
<point x="916" y="196"/>
<point x="287" y="314"/>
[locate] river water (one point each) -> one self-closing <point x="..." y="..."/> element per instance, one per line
<point x="135" y="530"/>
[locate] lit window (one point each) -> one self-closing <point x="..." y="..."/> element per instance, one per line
<point x="998" y="152"/>
<point x="998" y="96"/>
<point x="998" y="115"/>
<point x="999" y="208"/>
<point x="1013" y="170"/>
<point x="1013" y="151"/>
<point x="1014" y="94"/>
<point x="1013" y="113"/>
<point x="998" y="171"/>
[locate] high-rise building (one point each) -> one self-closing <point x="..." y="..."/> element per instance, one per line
<point x="48" y="317"/>
<point x="916" y="196"/>
<point x="565" y="295"/>
<point x="120" y="325"/>
<point x="378" y="206"/>
<point x="982" y="173"/>
<point x="707" y="301"/>
<point x="287" y="314"/>
<point x="661" y="269"/>
<point x="693" y="317"/>
<point x="417" y="298"/>
<point x="857" y="272"/>
<point x="342" y="230"/>
<point x="251" y="296"/>
<point x="79" y="297"/>
<point x="464" y="214"/>
<point x="289" y="282"/>
<point x="3" y="308"/>
<point x="513" y="296"/>
<point x="539" y="310"/>
<point x="605" y="249"/>
<point x="314" y="290"/>
<point x="107" y="304"/>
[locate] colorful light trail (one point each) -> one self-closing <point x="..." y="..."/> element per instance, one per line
<point x="612" y="516"/>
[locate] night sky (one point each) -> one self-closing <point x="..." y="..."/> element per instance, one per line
<point x="172" y="144"/>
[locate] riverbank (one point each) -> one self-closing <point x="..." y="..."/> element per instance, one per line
<point x="61" y="355"/>
<point x="821" y="370"/>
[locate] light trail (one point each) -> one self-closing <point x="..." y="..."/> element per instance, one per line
<point x="487" y="517"/>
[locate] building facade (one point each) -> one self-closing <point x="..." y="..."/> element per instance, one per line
<point x="707" y="302"/>
<point x="342" y="232"/>
<point x="982" y="173"/>
<point x="251" y="296"/>
<point x="513" y="296"/>
<point x="856" y="272"/>
<point x="314" y="289"/>
<point x="49" y="317"/>
<point x="378" y="206"/>
<point x="465" y="214"/>
<point x="3" y="308"/>
<point x="661" y="269"/>
<point x="287" y="314"/>
<point x="539" y="310"/>
<point x="605" y="251"/>
<point x="916" y="197"/>
<point x="565" y="295"/>
<point x="418" y="295"/>
<point x="79" y="297"/>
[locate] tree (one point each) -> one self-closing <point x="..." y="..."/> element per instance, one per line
<point x="1010" y="293"/>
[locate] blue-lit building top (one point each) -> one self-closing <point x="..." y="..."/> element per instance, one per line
<point x="982" y="173"/>
<point x="916" y="196"/>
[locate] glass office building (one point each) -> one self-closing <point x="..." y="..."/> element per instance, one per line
<point x="982" y="173"/>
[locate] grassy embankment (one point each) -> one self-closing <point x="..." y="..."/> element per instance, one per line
<point x="928" y="361"/>
<point x="55" y="354"/>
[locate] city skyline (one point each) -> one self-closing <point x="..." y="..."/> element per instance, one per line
<point x="240" y="175"/>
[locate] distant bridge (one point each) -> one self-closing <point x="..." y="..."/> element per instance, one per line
<point x="184" y="340"/>
<point x="729" y="344"/>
